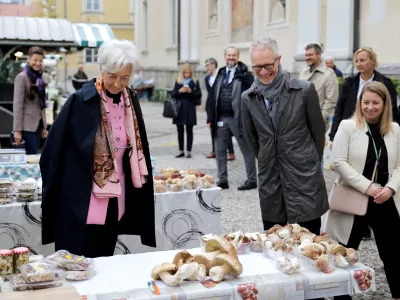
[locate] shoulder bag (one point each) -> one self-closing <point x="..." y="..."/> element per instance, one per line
<point x="197" y="100"/>
<point x="349" y="200"/>
<point x="171" y="108"/>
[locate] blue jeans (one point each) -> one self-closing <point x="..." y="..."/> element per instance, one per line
<point x="32" y="141"/>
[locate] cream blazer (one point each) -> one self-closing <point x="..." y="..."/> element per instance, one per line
<point x="350" y="148"/>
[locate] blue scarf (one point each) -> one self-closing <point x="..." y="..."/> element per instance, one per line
<point x="36" y="78"/>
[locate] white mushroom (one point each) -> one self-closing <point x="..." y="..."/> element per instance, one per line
<point x="167" y="273"/>
<point x="225" y="265"/>
<point x="198" y="272"/>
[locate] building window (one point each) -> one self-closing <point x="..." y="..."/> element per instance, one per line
<point x="242" y="21"/>
<point x="92" y="5"/>
<point x="172" y="23"/>
<point x="213" y="17"/>
<point x="277" y="13"/>
<point x="91" y="56"/>
<point x="144" y="25"/>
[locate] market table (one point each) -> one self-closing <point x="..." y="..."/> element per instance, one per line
<point x="126" y="277"/>
<point x="180" y="218"/>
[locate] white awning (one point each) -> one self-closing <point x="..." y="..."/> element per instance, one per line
<point x="92" y="35"/>
<point x="36" y="31"/>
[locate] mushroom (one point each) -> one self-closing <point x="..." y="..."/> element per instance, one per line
<point x="327" y="246"/>
<point x="206" y="259"/>
<point x="313" y="251"/>
<point x="284" y="232"/>
<point x="338" y="250"/>
<point x="217" y="243"/>
<point x="167" y="272"/>
<point x="198" y="271"/>
<point x="322" y="263"/>
<point x="181" y="258"/>
<point x="296" y="228"/>
<point x="351" y="256"/>
<point x="273" y="229"/>
<point x="225" y="265"/>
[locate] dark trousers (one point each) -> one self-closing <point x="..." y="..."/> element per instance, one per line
<point x="100" y="240"/>
<point x="384" y="220"/>
<point x="222" y="137"/>
<point x="314" y="225"/>
<point x="32" y="141"/>
<point x="230" y="145"/>
<point x="181" y="137"/>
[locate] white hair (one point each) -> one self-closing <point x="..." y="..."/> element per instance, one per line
<point x="265" y="43"/>
<point x="328" y="58"/>
<point x="116" y="54"/>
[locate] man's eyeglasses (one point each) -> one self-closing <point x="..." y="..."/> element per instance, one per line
<point x="267" y="67"/>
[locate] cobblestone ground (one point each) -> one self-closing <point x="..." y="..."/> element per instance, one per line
<point x="240" y="210"/>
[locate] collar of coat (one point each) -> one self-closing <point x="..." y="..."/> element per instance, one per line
<point x="291" y="82"/>
<point x="240" y="70"/>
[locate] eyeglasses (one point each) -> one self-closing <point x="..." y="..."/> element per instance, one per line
<point x="267" y="67"/>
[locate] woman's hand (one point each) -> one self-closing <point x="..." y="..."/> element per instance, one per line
<point x="188" y="90"/>
<point x="182" y="90"/>
<point x="44" y="133"/>
<point x="384" y="194"/>
<point x="373" y="190"/>
<point x="18" y="137"/>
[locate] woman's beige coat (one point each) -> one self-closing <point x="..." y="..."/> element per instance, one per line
<point x="349" y="155"/>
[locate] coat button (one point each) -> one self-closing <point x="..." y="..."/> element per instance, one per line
<point x="116" y="150"/>
<point x="118" y="139"/>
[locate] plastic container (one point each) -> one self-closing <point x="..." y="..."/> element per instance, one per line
<point x="244" y="248"/>
<point x="40" y="272"/>
<point x="79" y="275"/>
<point x="4" y="201"/>
<point x="160" y="188"/>
<point x="206" y="184"/>
<point x="6" y="264"/>
<point x="256" y="246"/>
<point x="36" y="258"/>
<point x="21" y="257"/>
<point x="18" y="283"/>
<point x="175" y="187"/>
<point x="70" y="262"/>
<point x="271" y="253"/>
<point x="193" y="185"/>
<point x="288" y="264"/>
<point x="6" y="182"/>
<point x="1" y="283"/>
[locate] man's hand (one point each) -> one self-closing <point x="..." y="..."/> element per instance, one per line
<point x="44" y="133"/>
<point x="209" y="125"/>
<point x="18" y="137"/>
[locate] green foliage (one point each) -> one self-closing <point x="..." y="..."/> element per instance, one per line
<point x="8" y="70"/>
<point x="396" y="83"/>
<point x="340" y="81"/>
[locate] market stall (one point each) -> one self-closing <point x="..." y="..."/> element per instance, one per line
<point x="233" y="273"/>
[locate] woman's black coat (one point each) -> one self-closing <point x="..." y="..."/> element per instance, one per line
<point x="66" y="165"/>
<point x="187" y="113"/>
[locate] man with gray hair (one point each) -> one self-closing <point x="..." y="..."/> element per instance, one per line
<point x="324" y="80"/>
<point x="330" y="63"/>
<point x="284" y="128"/>
<point x="225" y="117"/>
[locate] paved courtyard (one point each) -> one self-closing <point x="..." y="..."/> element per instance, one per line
<point x="240" y="210"/>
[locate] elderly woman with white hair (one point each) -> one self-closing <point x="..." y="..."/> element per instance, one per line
<point x="96" y="166"/>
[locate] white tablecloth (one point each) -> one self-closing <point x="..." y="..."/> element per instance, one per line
<point x="180" y="219"/>
<point x="126" y="277"/>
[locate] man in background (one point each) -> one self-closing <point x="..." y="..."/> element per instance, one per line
<point x="324" y="80"/>
<point x="212" y="71"/>
<point x="80" y="78"/>
<point x="330" y="63"/>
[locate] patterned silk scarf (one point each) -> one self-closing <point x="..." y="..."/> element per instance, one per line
<point x="103" y="152"/>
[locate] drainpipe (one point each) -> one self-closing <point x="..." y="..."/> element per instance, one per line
<point x="178" y="42"/>
<point x="356" y="29"/>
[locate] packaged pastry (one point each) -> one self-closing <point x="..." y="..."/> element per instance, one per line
<point x="39" y="272"/>
<point x="5" y="195"/>
<point x="6" y="190"/>
<point x="6" y="182"/>
<point x="79" y="275"/>
<point x="19" y="283"/>
<point x="21" y="257"/>
<point x="70" y="262"/>
<point x="25" y="197"/>
<point x="6" y="263"/>
<point x="4" y="201"/>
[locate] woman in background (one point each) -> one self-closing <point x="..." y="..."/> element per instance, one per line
<point x="186" y="91"/>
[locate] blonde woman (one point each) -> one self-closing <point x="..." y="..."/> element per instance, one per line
<point x="369" y="136"/>
<point x="366" y="62"/>
<point x="186" y="91"/>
